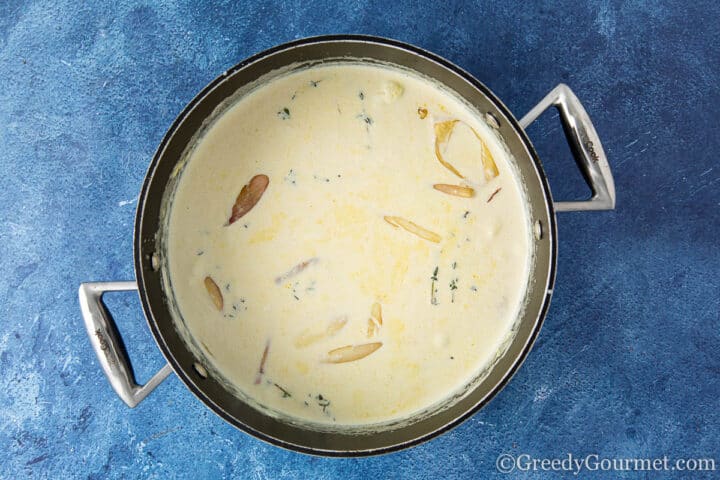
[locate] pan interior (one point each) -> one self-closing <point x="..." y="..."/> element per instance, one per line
<point x="191" y="359"/>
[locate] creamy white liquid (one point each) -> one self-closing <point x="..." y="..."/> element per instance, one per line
<point x="343" y="147"/>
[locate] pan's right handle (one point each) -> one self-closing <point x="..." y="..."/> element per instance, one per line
<point x="105" y="340"/>
<point x="585" y="145"/>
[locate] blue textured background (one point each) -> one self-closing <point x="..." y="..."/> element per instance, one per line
<point x="628" y="362"/>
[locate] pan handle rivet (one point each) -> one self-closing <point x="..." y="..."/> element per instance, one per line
<point x="492" y="120"/>
<point x="200" y="370"/>
<point x="155" y="262"/>
<point x="538" y="230"/>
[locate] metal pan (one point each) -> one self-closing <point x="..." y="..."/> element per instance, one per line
<point x="157" y="302"/>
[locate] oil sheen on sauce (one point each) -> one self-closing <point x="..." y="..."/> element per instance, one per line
<point x="328" y="264"/>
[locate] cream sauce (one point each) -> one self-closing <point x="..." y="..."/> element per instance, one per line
<point x="343" y="147"/>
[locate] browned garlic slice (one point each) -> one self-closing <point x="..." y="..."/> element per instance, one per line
<point x="351" y="353"/>
<point x="248" y="197"/>
<point x="443" y="132"/>
<point x="214" y="292"/>
<point x="413" y="228"/>
<point x="375" y="320"/>
<point x="308" y="337"/>
<point x="457" y="190"/>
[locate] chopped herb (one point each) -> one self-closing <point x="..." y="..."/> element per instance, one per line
<point x="240" y="306"/>
<point x="453" y="287"/>
<point x="314" y="83"/>
<point x="245" y="225"/>
<point x="454" y="265"/>
<point x="321" y="179"/>
<point x="227" y="287"/>
<point x="306" y="403"/>
<point x="361" y="95"/>
<point x="296" y="297"/>
<point x="474" y="288"/>
<point x="452" y="358"/>
<point x="284" y="113"/>
<point x="285" y="393"/>
<point x="323" y="403"/>
<point x="200" y="252"/>
<point x="365" y="118"/>
<point x="467" y="212"/>
<point x="433" y="289"/>
<point x="290" y="177"/>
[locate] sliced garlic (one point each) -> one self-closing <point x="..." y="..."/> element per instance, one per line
<point x="214" y="292"/>
<point x="351" y="353"/>
<point x="413" y="228"/>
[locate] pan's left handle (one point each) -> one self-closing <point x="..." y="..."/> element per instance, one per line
<point x="105" y="340"/>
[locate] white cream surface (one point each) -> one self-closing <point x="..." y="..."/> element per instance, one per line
<point x="343" y="147"/>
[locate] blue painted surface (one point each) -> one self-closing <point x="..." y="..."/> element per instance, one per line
<point x="628" y="362"/>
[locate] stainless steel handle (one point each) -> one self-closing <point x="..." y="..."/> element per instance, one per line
<point x="585" y="145"/>
<point x="105" y="340"/>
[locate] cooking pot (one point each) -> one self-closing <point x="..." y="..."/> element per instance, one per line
<point x="158" y="303"/>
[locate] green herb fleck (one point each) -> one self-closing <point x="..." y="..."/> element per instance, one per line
<point x="284" y="113"/>
<point x="321" y="179"/>
<point x="240" y="305"/>
<point x="323" y="402"/>
<point x="433" y="289"/>
<point x="453" y="287"/>
<point x="285" y="393"/>
<point x="467" y="212"/>
<point x="454" y="265"/>
<point x="361" y="95"/>
<point x="290" y="177"/>
<point x="366" y="119"/>
<point x="314" y="83"/>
